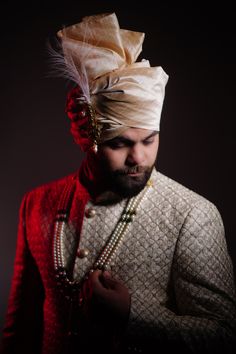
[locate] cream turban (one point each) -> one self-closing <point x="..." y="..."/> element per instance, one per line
<point x="101" y="59"/>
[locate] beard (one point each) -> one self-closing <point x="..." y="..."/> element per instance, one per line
<point x="128" y="186"/>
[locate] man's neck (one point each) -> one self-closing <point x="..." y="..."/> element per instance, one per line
<point x="94" y="180"/>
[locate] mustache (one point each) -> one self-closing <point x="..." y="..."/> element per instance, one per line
<point x="134" y="169"/>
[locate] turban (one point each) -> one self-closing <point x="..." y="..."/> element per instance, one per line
<point x="100" y="58"/>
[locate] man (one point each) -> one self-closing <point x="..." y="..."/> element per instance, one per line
<point x="117" y="257"/>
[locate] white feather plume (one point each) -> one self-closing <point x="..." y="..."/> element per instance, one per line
<point x="68" y="60"/>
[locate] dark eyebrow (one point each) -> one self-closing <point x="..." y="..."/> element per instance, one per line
<point x="155" y="132"/>
<point x="121" y="139"/>
<point x="127" y="141"/>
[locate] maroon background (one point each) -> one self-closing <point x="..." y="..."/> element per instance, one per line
<point x="195" y="46"/>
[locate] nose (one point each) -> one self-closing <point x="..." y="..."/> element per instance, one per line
<point x="135" y="156"/>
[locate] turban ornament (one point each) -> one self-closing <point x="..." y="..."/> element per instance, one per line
<point x="84" y="125"/>
<point x="113" y="92"/>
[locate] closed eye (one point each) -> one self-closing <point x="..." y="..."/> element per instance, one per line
<point x="118" y="143"/>
<point x="123" y="142"/>
<point x="148" y="141"/>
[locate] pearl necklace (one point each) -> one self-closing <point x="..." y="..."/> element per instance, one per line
<point x="109" y="251"/>
<point x="116" y="238"/>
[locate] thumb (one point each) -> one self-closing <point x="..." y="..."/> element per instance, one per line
<point x="109" y="282"/>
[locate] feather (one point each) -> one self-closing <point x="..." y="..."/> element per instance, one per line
<point x="68" y="60"/>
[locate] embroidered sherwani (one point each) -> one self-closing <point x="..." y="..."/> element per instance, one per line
<point x="173" y="259"/>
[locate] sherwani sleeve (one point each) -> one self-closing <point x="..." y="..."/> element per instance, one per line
<point x="23" y="324"/>
<point x="204" y="283"/>
<point x="201" y="313"/>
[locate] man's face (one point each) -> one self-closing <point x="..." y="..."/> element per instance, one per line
<point x="128" y="160"/>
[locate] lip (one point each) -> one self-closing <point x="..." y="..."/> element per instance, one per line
<point x="135" y="174"/>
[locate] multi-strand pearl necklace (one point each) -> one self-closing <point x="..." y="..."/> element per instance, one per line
<point x="111" y="247"/>
<point x="116" y="238"/>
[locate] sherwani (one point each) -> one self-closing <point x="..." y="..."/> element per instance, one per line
<point x="173" y="259"/>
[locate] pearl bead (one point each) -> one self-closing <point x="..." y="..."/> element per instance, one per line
<point x="90" y="213"/>
<point x="83" y="252"/>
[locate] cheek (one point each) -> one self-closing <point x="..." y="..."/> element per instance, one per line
<point x="117" y="160"/>
<point x="152" y="154"/>
<point x="114" y="159"/>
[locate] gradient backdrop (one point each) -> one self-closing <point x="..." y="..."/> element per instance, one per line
<point x="195" y="46"/>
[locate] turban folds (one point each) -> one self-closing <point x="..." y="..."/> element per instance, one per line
<point x="101" y="59"/>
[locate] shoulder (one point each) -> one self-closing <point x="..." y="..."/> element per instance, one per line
<point x="181" y="197"/>
<point x="202" y="226"/>
<point x="49" y="191"/>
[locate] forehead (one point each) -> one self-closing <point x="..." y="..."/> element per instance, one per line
<point x="136" y="134"/>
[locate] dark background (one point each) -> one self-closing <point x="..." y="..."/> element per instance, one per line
<point x="194" y="44"/>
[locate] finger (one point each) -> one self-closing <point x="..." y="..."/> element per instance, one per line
<point x="95" y="279"/>
<point x="94" y="276"/>
<point x="109" y="282"/>
<point x="106" y="280"/>
<point x="89" y="283"/>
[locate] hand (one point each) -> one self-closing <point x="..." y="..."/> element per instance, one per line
<point x="106" y="299"/>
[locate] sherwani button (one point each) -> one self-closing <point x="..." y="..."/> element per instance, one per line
<point x="82" y="253"/>
<point x="90" y="213"/>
